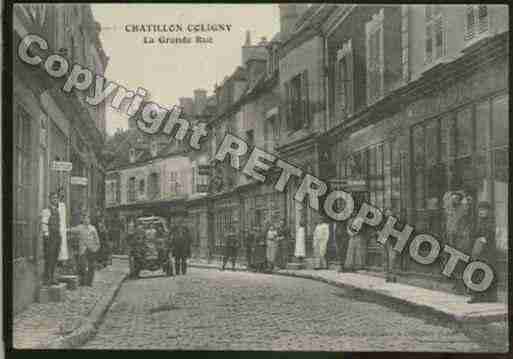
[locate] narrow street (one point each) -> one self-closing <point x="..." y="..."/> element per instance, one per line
<point x="213" y="310"/>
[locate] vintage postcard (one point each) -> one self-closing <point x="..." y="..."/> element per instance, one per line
<point x="258" y="177"/>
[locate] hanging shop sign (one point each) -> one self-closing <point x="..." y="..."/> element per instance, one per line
<point x="62" y="166"/>
<point x="81" y="181"/>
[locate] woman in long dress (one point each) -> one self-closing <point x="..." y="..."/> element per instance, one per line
<point x="321" y="237"/>
<point x="355" y="252"/>
<point x="272" y="246"/>
<point x="299" y="250"/>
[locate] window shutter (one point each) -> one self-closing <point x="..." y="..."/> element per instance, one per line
<point x="287" y="105"/>
<point x="341" y="96"/>
<point x="368" y="51"/>
<point x="482" y="15"/>
<point x="305" y="99"/>
<point x="469" y="31"/>
<point x="349" y="79"/>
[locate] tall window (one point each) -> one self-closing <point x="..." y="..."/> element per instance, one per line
<point x="476" y="21"/>
<point x="154" y="185"/>
<point x="22" y="244"/>
<point x="131" y="189"/>
<point x="375" y="58"/>
<point x="142" y="187"/>
<point x="345" y="79"/>
<point x="297" y="102"/>
<point x="435" y="33"/>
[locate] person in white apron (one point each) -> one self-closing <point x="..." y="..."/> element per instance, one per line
<point x="272" y="246"/>
<point x="63" y="252"/>
<point x="320" y="238"/>
<point x="299" y="250"/>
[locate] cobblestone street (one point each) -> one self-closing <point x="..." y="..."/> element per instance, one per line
<point x="213" y="310"/>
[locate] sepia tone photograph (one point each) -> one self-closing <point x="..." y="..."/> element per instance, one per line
<point x="257" y="177"/>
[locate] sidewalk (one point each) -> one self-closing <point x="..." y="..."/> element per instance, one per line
<point x="452" y="306"/>
<point x="70" y="322"/>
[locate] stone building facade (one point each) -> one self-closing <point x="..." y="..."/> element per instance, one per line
<point x="427" y="127"/>
<point x="48" y="126"/>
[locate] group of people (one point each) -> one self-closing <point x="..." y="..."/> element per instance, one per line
<point x="265" y="248"/>
<point x="142" y="238"/>
<point x="87" y="248"/>
<point x="268" y="248"/>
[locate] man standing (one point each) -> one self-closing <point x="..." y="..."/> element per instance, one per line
<point x="230" y="248"/>
<point x="283" y="244"/>
<point x="181" y="249"/>
<point x="88" y="246"/>
<point x="51" y="229"/>
<point x="250" y="244"/>
<point x="485" y="249"/>
<point x="342" y="239"/>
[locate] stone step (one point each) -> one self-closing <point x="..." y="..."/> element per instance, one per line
<point x="71" y="281"/>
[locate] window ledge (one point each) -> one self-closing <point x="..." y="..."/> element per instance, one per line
<point x="476" y="39"/>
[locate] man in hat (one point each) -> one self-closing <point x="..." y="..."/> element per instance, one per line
<point x="88" y="246"/>
<point x="181" y="249"/>
<point x="230" y="248"/>
<point x="484" y="249"/>
<point x="51" y="231"/>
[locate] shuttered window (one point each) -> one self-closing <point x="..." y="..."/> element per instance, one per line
<point x="297" y="102"/>
<point x="375" y="58"/>
<point x="344" y="86"/>
<point x="22" y="243"/>
<point x="435" y="33"/>
<point x="476" y="22"/>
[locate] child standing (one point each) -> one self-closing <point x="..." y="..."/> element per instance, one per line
<point x="88" y="246"/>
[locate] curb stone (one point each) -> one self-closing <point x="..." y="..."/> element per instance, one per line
<point x="86" y="330"/>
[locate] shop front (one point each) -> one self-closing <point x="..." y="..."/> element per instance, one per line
<point x="452" y="138"/>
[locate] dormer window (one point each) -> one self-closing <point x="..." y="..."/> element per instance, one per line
<point x="153" y="149"/>
<point x="131" y="155"/>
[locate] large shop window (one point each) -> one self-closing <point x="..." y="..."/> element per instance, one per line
<point x="22" y="244"/>
<point x="469" y="157"/>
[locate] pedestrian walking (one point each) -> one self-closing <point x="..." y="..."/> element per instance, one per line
<point x="181" y="249"/>
<point x="104" y="253"/>
<point x="50" y="228"/>
<point x="355" y="252"/>
<point x="299" y="247"/>
<point x="88" y="246"/>
<point x="272" y="246"/>
<point x="484" y="249"/>
<point x="321" y="236"/>
<point x="231" y="246"/>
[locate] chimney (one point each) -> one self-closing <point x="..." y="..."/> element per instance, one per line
<point x="246" y="48"/>
<point x="200" y="101"/>
<point x="187" y="105"/>
<point x="289" y="14"/>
